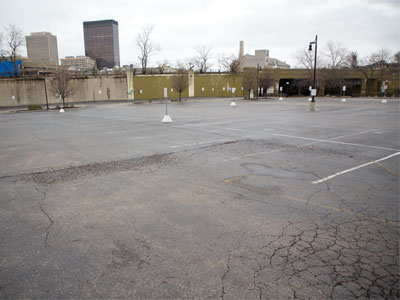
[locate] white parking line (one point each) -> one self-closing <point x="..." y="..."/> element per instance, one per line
<point x="210" y="123"/>
<point x="235" y="129"/>
<point x="355" y="168"/>
<point x="152" y="136"/>
<point x="339" y="137"/>
<point x="200" y="143"/>
<point x="334" y="142"/>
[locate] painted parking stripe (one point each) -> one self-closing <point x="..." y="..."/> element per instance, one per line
<point x="334" y="142"/>
<point x="355" y="168"/>
<point x="198" y="144"/>
<point x="339" y="137"/>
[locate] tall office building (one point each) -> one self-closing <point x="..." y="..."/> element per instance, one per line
<point x="42" y="46"/>
<point x="102" y="42"/>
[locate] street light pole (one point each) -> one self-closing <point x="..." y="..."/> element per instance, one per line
<point x="258" y="68"/>
<point x="313" y="93"/>
<point x="45" y="89"/>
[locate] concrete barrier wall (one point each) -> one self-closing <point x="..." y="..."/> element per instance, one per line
<point x="144" y="87"/>
<point x="21" y="92"/>
<point x="14" y="92"/>
<point x="99" y="89"/>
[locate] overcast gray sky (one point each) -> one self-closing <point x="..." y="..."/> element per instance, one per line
<point x="282" y="26"/>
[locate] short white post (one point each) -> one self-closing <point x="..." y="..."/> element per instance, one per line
<point x="233" y="95"/>
<point x="166" y="118"/>
<point x="280" y="93"/>
<point x="344" y="94"/>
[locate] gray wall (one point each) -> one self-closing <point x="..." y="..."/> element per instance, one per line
<point x="31" y="91"/>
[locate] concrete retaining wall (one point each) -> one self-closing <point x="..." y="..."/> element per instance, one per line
<point x="14" y="92"/>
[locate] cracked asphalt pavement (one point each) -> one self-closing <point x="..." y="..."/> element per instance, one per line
<point x="265" y="200"/>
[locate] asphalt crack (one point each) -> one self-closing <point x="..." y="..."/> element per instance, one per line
<point x="49" y="218"/>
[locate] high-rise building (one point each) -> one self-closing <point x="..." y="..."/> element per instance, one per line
<point x="42" y="46"/>
<point x="102" y="42"/>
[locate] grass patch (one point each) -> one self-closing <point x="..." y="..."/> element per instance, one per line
<point x="67" y="105"/>
<point x="34" y="107"/>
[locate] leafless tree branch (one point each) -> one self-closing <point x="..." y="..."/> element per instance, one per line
<point x="336" y="55"/>
<point x="202" y="60"/>
<point x="146" y="47"/>
<point x="179" y="82"/>
<point x="62" y="84"/>
<point x="14" y="40"/>
<point x="229" y="63"/>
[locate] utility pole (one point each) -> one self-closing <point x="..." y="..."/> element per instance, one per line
<point x="314" y="88"/>
<point x="45" y="88"/>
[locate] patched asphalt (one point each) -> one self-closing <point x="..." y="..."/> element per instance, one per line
<point x="265" y="200"/>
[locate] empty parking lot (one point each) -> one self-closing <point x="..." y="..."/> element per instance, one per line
<point x="262" y="200"/>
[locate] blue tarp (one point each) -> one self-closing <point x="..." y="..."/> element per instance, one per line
<point x="7" y="68"/>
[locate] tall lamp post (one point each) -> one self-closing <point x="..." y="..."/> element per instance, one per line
<point x="258" y="70"/>
<point x="45" y="88"/>
<point x="314" y="88"/>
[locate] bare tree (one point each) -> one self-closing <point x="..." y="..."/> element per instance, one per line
<point x="266" y="80"/>
<point x="305" y="60"/>
<point x="336" y="55"/>
<point x="396" y="57"/>
<point x="352" y="60"/>
<point x="62" y="84"/>
<point x="14" y="40"/>
<point x="379" y="59"/>
<point x="179" y="82"/>
<point x="202" y="60"/>
<point x="333" y="73"/>
<point x="146" y="47"/>
<point x="368" y="71"/>
<point x="329" y="67"/>
<point x="229" y="63"/>
<point x="250" y="79"/>
<point x="1" y="44"/>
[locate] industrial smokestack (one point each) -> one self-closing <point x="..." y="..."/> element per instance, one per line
<point x="241" y="49"/>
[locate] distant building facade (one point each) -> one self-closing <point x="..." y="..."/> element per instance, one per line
<point x="78" y="62"/>
<point x="42" y="46"/>
<point x="102" y="42"/>
<point x="260" y="58"/>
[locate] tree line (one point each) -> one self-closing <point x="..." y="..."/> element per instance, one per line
<point x="334" y="62"/>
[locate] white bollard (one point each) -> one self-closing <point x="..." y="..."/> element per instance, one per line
<point x="343" y="100"/>
<point x="384" y="101"/>
<point x="166" y="119"/>
<point x="62" y="110"/>
<point x="233" y="103"/>
<point x="309" y="99"/>
<point x="280" y="99"/>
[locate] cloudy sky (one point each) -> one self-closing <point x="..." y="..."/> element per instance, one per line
<point x="282" y="26"/>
